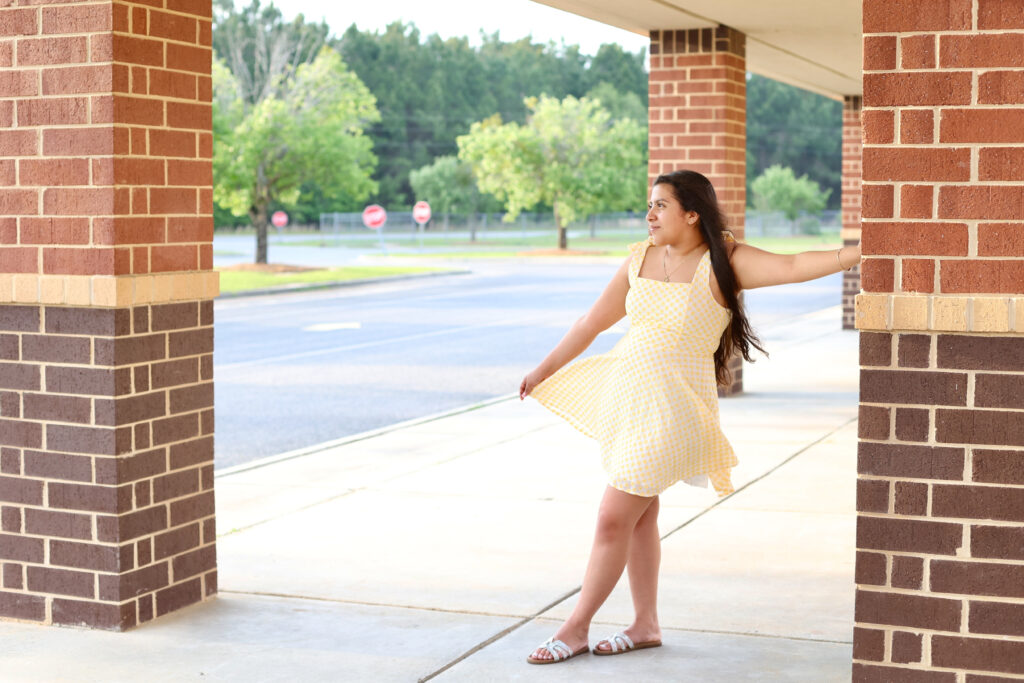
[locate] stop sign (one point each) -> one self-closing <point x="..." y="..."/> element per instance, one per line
<point x="374" y="216"/>
<point x="421" y="212"/>
<point x="279" y="219"/>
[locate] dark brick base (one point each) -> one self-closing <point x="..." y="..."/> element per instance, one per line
<point x="940" y="501"/>
<point x="106" y="462"/>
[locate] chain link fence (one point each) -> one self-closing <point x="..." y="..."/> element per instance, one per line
<point x="490" y="228"/>
<point x="478" y="229"/>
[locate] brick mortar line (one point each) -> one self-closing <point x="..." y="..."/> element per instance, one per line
<point x="110" y="32"/>
<point x="950" y="482"/>
<point x="967" y="33"/>
<point x="115" y="366"/>
<point x="942" y="70"/>
<point x="95" y="598"/>
<point x="95" y="513"/>
<point x="948" y="558"/>
<point x="962" y="521"/>
<point x="932" y="632"/>
<point x="147" y="36"/>
<point x="941" y="184"/>
<point x="894" y="109"/>
<point x="921" y="666"/>
<point x="965" y="522"/>
<point x="932" y="443"/>
<point x="937" y="371"/>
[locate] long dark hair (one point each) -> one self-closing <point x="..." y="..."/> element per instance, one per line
<point x="695" y="193"/>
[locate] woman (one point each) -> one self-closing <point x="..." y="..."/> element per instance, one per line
<point x="651" y="402"/>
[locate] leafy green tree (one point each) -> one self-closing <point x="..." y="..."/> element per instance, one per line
<point x="621" y="105"/>
<point x="311" y="131"/>
<point x="430" y="90"/>
<point x="394" y="66"/>
<point x="262" y="52"/>
<point x="448" y="186"/>
<point x="792" y="127"/>
<point x="777" y="189"/>
<point x="624" y="71"/>
<point x="569" y="154"/>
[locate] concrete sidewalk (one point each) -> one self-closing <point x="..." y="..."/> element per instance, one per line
<point x="448" y="549"/>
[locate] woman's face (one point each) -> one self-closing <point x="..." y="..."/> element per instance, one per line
<point x="667" y="222"/>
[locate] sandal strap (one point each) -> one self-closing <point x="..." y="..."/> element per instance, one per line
<point x="620" y="641"/>
<point x="557" y="648"/>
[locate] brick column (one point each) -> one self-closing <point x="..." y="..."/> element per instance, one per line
<point x="940" y="499"/>
<point x="106" y="313"/>
<point x="851" y="199"/>
<point x="697" y="119"/>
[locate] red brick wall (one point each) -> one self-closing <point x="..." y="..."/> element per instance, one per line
<point x="106" y="322"/>
<point x="940" y="498"/>
<point x="105" y="134"/>
<point x="697" y="114"/>
<point x="851" y="200"/>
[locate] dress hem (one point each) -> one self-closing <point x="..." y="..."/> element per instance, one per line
<point x="583" y="429"/>
<point x="721" y="493"/>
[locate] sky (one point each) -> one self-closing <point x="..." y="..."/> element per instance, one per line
<point x="513" y="19"/>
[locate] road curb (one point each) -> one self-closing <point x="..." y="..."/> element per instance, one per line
<point x="362" y="436"/>
<point x="336" y="284"/>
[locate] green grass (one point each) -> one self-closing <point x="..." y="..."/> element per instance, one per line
<point x="792" y="245"/>
<point x="241" y="281"/>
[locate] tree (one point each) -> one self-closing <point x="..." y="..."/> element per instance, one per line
<point x="620" y="105"/>
<point x="430" y="90"/>
<point x="624" y="71"/>
<point x="792" y="127"/>
<point x="569" y="155"/>
<point x="777" y="189"/>
<point x="448" y="185"/>
<point x="311" y="130"/>
<point x="261" y="50"/>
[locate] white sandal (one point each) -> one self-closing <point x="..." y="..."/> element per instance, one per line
<point x="620" y="644"/>
<point x="559" y="652"/>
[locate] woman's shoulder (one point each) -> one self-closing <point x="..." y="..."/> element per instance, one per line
<point x="638" y="247"/>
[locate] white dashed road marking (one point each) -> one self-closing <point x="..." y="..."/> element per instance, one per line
<point x="328" y="327"/>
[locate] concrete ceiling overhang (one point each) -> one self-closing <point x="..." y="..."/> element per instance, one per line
<point x="812" y="44"/>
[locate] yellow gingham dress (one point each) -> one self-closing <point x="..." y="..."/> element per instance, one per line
<point x="652" y="401"/>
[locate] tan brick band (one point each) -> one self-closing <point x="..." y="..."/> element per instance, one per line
<point x="887" y="312"/>
<point x="106" y="291"/>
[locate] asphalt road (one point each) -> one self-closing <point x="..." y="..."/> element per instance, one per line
<point x="295" y="370"/>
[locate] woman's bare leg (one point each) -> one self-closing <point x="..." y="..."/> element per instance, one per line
<point x="616" y="521"/>
<point x="642" y="567"/>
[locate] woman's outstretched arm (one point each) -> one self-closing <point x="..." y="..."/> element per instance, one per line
<point x="609" y="309"/>
<point x="758" y="268"/>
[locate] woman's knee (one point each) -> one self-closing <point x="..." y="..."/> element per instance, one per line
<point x="616" y="520"/>
<point x="649" y="518"/>
<point x="612" y="525"/>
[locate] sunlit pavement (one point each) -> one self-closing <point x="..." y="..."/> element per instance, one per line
<point x="449" y="548"/>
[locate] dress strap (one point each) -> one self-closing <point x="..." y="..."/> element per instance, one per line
<point x="638" y="250"/>
<point x="700" y="277"/>
<point x="702" y="280"/>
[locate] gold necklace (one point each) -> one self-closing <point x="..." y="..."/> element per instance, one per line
<point x="664" y="263"/>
